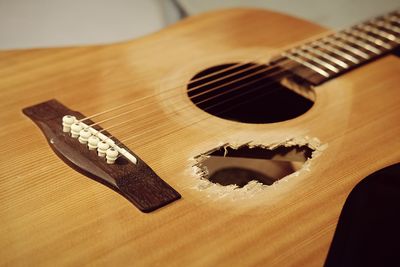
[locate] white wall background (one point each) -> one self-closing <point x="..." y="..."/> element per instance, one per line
<point x="336" y="14"/>
<point x="46" y="23"/>
<point x="49" y="23"/>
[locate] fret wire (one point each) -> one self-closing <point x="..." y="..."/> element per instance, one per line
<point x="386" y="26"/>
<point x="316" y="60"/>
<point x="348" y="47"/>
<point x="369" y="38"/>
<point x="326" y="56"/>
<point x="356" y="44"/>
<point x="337" y="52"/>
<point x="359" y="43"/>
<point x="376" y="31"/>
<point x="307" y="64"/>
<point x="392" y="19"/>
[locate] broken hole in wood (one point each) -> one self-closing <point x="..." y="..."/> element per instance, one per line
<point x="228" y="165"/>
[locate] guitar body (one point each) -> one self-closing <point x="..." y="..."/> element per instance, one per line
<point x="51" y="215"/>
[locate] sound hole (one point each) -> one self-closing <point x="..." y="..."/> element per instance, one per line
<point x="250" y="93"/>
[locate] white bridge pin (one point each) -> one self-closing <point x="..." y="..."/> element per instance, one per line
<point x="76" y="129"/>
<point x="92" y="142"/>
<point x="67" y="121"/>
<point x="111" y="155"/>
<point x="95" y="140"/>
<point x="84" y="135"/>
<point x="102" y="148"/>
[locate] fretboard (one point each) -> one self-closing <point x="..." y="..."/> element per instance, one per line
<point x="322" y="59"/>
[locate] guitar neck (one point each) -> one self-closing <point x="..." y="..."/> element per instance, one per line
<point x="325" y="58"/>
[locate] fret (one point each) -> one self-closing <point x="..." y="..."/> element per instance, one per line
<point x="337" y="52"/>
<point x="392" y="19"/>
<point x="349" y="48"/>
<point x="307" y="64"/>
<point x="359" y="43"/>
<point x="326" y="56"/>
<point x="369" y="38"/>
<point x="316" y="60"/>
<point x="376" y="31"/>
<point x="386" y="26"/>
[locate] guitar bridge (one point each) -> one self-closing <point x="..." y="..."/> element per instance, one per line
<point x="106" y="162"/>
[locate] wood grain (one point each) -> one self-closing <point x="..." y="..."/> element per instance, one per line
<point x="52" y="216"/>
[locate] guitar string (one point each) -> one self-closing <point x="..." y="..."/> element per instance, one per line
<point x="169" y="89"/>
<point x="193" y="123"/>
<point x="122" y="141"/>
<point x="266" y="67"/>
<point x="216" y="88"/>
<point x="204" y="85"/>
<point x="307" y="40"/>
<point x="196" y="88"/>
<point x="230" y="90"/>
<point x="188" y="106"/>
<point x="146" y="115"/>
<point x="285" y="48"/>
<point x="62" y="167"/>
<point x="181" y="109"/>
<point x="197" y="103"/>
<point x="125" y="141"/>
<point x="264" y="85"/>
<point x="190" y="97"/>
<point x="236" y="65"/>
<point x="202" y="119"/>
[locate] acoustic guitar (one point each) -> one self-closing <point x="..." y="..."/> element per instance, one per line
<point x="232" y="138"/>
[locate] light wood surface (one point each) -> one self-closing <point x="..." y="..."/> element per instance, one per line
<point x="51" y="215"/>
